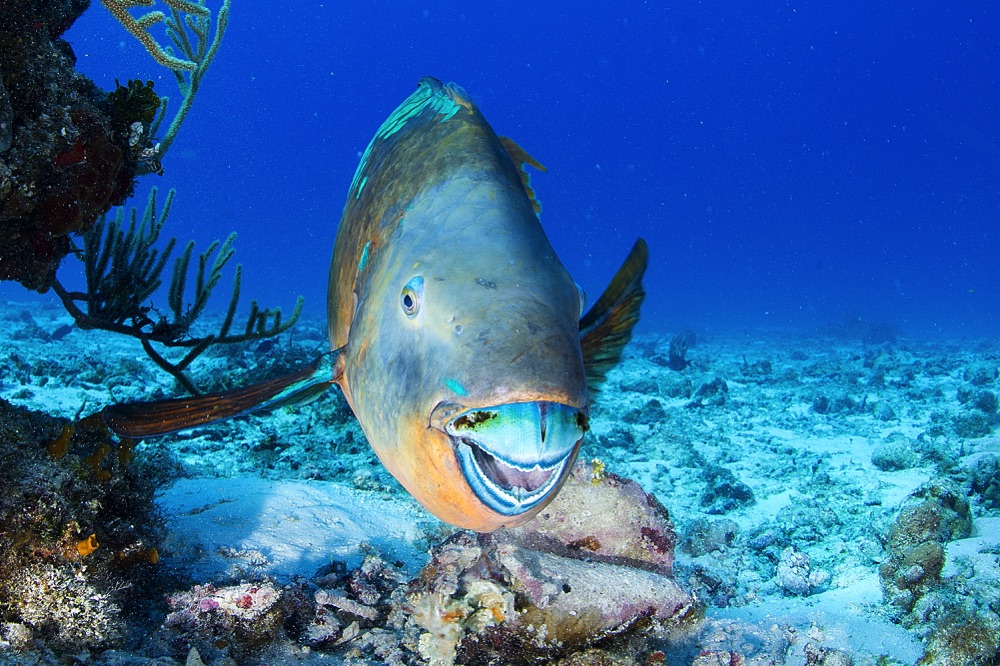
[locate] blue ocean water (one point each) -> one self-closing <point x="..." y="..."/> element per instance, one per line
<point x="791" y="164"/>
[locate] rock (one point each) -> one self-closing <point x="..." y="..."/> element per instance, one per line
<point x="603" y="517"/>
<point x="578" y="601"/>
<point x="676" y="386"/>
<point x="946" y="506"/>
<point x="961" y="639"/>
<point x="985" y="477"/>
<point x="705" y="536"/>
<point x="247" y="616"/>
<point x="719" y="658"/>
<point x="894" y="456"/>
<point x="711" y="393"/>
<point x="651" y="413"/>
<point x="728" y="642"/>
<point x="795" y="575"/>
<point x="594" y="564"/>
<point x="884" y="412"/>
<point x="980" y="373"/>
<point x="821" y="656"/>
<point x="985" y="401"/>
<point x="972" y="423"/>
<point x="724" y="491"/>
<point x="915" y="542"/>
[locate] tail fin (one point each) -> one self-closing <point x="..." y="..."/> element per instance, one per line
<point x="149" y="419"/>
<point x="607" y="327"/>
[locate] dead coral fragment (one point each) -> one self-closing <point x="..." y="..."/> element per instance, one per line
<point x="608" y="518"/>
<point x="593" y="565"/>
<point x="537" y="605"/>
<point x="248" y="615"/>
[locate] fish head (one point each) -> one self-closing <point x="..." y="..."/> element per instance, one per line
<point x="465" y="367"/>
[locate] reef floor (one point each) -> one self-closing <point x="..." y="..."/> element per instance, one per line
<point x="835" y="500"/>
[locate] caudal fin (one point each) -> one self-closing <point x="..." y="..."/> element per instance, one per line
<point x="607" y="326"/>
<point x="149" y="419"/>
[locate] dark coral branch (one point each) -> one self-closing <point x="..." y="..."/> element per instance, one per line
<point x="123" y="269"/>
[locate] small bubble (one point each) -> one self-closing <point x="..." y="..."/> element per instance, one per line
<point x="458" y="329"/>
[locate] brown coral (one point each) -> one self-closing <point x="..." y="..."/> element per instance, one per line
<point x="63" y="167"/>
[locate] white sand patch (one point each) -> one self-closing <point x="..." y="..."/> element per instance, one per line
<point x="298" y="526"/>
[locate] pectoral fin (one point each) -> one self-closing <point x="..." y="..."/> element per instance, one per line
<point x="148" y="419"/>
<point x="607" y="326"/>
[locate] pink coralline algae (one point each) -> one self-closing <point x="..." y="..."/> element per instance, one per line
<point x="247" y="614"/>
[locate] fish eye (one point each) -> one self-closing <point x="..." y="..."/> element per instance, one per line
<point x="410" y="298"/>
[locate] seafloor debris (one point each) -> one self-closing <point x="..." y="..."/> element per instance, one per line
<point x="940" y="512"/>
<point x="594" y="566"/>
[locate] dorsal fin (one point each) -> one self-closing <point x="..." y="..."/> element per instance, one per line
<point x="607" y="327"/>
<point x="522" y="160"/>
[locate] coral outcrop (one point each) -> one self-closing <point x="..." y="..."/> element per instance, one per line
<point x="80" y="533"/>
<point x="937" y="514"/>
<point x="593" y="565"/>
<point x="62" y="164"/>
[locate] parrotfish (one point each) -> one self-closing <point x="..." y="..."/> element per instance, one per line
<point x="456" y="333"/>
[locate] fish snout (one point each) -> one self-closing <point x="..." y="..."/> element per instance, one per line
<point x="514" y="455"/>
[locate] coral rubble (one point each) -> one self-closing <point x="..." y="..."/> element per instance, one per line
<point x="595" y="568"/>
<point x="594" y="564"/>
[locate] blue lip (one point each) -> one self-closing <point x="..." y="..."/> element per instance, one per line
<point x="513" y="456"/>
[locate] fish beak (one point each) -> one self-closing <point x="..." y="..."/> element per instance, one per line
<point x="513" y="456"/>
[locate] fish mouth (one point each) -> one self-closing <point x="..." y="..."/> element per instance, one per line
<point x="513" y="456"/>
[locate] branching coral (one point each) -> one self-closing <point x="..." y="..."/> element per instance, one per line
<point x="123" y="269"/>
<point x="189" y="27"/>
<point x="139" y="28"/>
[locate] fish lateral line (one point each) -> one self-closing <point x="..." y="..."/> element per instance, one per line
<point x="161" y="417"/>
